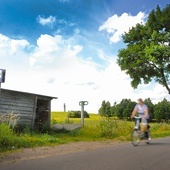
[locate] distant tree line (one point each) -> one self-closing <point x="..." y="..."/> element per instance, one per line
<point x="158" y="112"/>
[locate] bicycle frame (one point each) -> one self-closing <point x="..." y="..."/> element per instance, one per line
<point x="137" y="122"/>
<point x="136" y="134"/>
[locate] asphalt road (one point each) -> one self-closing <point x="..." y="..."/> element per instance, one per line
<point x="155" y="156"/>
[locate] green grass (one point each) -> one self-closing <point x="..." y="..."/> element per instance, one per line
<point x="120" y="130"/>
<point x="95" y="128"/>
<point x="61" y="117"/>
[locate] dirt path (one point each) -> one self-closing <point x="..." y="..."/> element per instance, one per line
<point x="44" y="152"/>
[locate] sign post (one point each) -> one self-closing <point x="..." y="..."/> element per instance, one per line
<point x="82" y="104"/>
<point x="2" y="77"/>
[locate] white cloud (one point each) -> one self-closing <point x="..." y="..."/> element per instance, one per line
<point x="10" y="47"/>
<point x="158" y="93"/>
<point x="55" y="51"/>
<point x="54" y="67"/>
<point x="116" y="25"/>
<point x="46" y="21"/>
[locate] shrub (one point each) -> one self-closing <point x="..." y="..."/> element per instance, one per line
<point x="7" y="138"/>
<point x="107" y="127"/>
<point x="77" y="114"/>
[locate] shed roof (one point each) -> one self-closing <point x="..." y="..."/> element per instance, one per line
<point x="40" y="95"/>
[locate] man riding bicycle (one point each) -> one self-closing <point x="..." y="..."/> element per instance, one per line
<point x="142" y="110"/>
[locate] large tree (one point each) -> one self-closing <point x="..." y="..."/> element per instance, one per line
<point x="105" y="109"/>
<point x="162" y="111"/>
<point x="147" y="54"/>
<point x="150" y="105"/>
<point x="124" y="108"/>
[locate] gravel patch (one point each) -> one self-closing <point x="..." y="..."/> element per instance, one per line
<point x="48" y="151"/>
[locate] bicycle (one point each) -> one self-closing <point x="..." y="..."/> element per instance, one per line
<point x="137" y="134"/>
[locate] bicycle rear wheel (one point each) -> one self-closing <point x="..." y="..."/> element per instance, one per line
<point x="135" y="137"/>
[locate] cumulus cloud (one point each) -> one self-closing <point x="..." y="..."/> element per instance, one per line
<point x="11" y="46"/>
<point x="56" y="51"/>
<point x="55" y="67"/>
<point x="116" y="25"/>
<point x="46" y="21"/>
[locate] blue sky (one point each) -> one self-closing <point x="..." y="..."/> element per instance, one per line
<point x="68" y="48"/>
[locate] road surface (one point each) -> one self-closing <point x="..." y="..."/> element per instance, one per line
<point x="155" y="156"/>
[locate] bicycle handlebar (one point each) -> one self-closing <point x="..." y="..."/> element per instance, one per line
<point x="137" y="117"/>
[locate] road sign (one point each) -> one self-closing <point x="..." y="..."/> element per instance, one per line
<point x="82" y="104"/>
<point x="2" y="75"/>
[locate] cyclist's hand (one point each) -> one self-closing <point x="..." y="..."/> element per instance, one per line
<point x="132" y="116"/>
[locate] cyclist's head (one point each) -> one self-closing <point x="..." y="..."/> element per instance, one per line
<point x="140" y="101"/>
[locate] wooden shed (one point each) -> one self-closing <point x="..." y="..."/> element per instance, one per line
<point x="25" y="109"/>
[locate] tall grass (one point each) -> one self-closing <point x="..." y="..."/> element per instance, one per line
<point x="96" y="128"/>
<point x="10" y="140"/>
<point x="99" y="128"/>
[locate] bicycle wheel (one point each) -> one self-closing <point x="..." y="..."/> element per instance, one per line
<point x="135" y="137"/>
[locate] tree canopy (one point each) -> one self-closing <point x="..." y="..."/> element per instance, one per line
<point x="147" y="54"/>
<point x="123" y="110"/>
<point x="105" y="109"/>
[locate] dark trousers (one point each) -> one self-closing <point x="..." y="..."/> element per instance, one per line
<point x="147" y="133"/>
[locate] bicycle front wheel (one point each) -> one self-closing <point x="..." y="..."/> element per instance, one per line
<point x="135" y="137"/>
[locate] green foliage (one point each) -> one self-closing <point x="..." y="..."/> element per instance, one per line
<point x="95" y="129"/>
<point x="105" y="109"/>
<point x="106" y="127"/>
<point x="6" y="136"/>
<point x="150" y="105"/>
<point x="147" y="54"/>
<point x="162" y="111"/>
<point x="10" y="140"/>
<point x="69" y="121"/>
<point x="77" y="114"/>
<point x="124" y="108"/>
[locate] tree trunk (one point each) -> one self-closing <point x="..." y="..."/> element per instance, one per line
<point x="164" y="82"/>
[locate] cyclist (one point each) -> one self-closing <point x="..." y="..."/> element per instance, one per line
<point x="142" y="110"/>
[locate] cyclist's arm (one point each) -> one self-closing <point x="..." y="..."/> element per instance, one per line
<point x="134" y="112"/>
<point x="146" y="113"/>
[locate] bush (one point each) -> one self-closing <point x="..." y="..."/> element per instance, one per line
<point x="106" y="127"/>
<point x="7" y="138"/>
<point x="77" y="114"/>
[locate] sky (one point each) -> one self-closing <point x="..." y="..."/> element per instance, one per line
<point x="68" y="49"/>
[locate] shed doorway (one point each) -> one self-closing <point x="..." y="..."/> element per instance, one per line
<point x="42" y="117"/>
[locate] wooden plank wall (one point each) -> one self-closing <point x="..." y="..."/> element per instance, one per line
<point x="18" y="103"/>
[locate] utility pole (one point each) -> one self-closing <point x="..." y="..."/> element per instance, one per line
<point x="82" y="104"/>
<point x="64" y="107"/>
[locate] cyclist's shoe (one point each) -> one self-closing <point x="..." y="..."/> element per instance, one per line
<point x="136" y="128"/>
<point x="148" y="140"/>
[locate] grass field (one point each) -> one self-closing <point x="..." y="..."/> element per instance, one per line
<point x="61" y="117"/>
<point x="98" y="128"/>
<point x="95" y="128"/>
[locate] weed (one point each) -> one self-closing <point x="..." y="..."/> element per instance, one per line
<point x="96" y="128"/>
